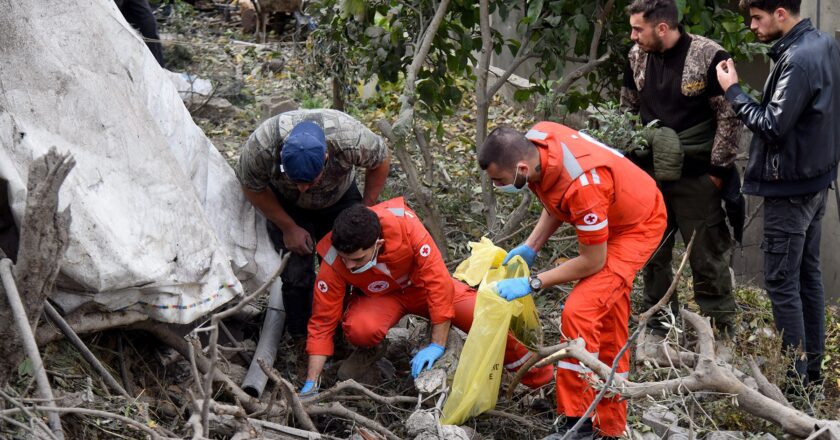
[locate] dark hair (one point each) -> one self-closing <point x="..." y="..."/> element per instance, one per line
<point x="771" y="5"/>
<point x="656" y="11"/>
<point x="357" y="227"/>
<point x="505" y="147"/>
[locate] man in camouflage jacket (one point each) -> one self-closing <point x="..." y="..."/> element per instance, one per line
<point x="671" y="78"/>
<point x="297" y="168"/>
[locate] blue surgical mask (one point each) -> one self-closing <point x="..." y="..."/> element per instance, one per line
<point x="511" y="188"/>
<point x="367" y="265"/>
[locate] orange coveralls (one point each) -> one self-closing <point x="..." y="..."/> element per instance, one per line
<point x="607" y="199"/>
<point x="410" y="277"/>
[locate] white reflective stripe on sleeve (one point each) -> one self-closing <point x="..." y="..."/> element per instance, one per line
<point x="583" y="180"/>
<point x="518" y="363"/>
<point x="399" y="212"/>
<point x="536" y="134"/>
<point x="332" y="253"/>
<point x="596" y="179"/>
<point x="573" y="367"/>
<point x="595" y="227"/>
<point x="571" y="164"/>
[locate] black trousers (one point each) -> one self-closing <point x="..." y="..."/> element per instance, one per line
<point x="299" y="276"/>
<point x="793" y="279"/>
<point x="138" y="13"/>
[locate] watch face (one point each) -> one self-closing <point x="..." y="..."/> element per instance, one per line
<point x="535" y="283"/>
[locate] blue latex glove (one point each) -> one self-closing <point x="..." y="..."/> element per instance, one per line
<point x="523" y="250"/>
<point x="425" y="358"/>
<point x="310" y="387"/>
<point x="513" y="288"/>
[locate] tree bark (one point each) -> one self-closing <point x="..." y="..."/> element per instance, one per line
<point x="403" y="129"/>
<point x="43" y="240"/>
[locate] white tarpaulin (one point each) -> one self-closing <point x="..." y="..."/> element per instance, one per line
<point x="159" y="221"/>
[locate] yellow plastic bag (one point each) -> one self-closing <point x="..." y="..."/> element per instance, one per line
<point x="485" y="266"/>
<point x="484" y="255"/>
<point x="475" y="387"/>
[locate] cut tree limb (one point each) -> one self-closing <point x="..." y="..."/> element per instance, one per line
<point x="83" y="323"/>
<point x="43" y="234"/>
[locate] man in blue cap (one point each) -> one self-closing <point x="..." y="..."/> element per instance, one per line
<point x="297" y="168"/>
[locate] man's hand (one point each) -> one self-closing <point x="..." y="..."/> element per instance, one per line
<point x="310" y="388"/>
<point x="726" y="74"/>
<point x="298" y="241"/>
<point x="513" y="288"/>
<point x="523" y="250"/>
<point x="425" y="358"/>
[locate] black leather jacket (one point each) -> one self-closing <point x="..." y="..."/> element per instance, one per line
<point x="796" y="128"/>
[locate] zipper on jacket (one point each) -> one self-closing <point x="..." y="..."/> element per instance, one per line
<point x="774" y="166"/>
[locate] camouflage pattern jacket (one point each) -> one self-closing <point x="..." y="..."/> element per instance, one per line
<point x="349" y="144"/>
<point x="694" y="82"/>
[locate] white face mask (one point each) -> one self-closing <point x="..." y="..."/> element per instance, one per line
<point x="367" y="265"/>
<point x="511" y="188"/>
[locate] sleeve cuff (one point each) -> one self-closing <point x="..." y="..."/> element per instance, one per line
<point x="322" y="347"/>
<point x="733" y="93"/>
<point x="719" y="171"/>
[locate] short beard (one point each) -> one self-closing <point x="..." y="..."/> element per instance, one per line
<point x="657" y="45"/>
<point x="770" y="37"/>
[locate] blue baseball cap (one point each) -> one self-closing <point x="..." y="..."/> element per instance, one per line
<point x="302" y="156"/>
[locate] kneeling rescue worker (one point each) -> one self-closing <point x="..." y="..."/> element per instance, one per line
<point x="394" y="268"/>
<point x="619" y="216"/>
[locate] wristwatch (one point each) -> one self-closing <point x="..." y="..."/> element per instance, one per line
<point x="535" y="283"/>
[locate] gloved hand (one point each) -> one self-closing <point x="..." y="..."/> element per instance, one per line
<point x="310" y="387"/>
<point x="523" y="250"/>
<point x="513" y="288"/>
<point x="425" y="358"/>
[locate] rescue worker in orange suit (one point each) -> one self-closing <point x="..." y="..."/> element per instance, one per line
<point x="394" y="267"/>
<point x="619" y="216"/>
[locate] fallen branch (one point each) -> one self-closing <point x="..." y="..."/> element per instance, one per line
<point x="56" y="318"/>
<point x="288" y="430"/>
<point x="709" y="375"/>
<point x="336" y="409"/>
<point x="524" y="421"/>
<point x="179" y="344"/>
<point x="89" y="412"/>
<point x="215" y="323"/>
<point x="37" y="420"/>
<point x="82" y="323"/>
<point x="289" y="395"/>
<point x="29" y="345"/>
<point x="352" y="385"/>
<point x="764" y="386"/>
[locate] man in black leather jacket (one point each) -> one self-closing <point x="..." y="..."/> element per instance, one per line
<point x="793" y="160"/>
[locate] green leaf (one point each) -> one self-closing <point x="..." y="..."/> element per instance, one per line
<point x="522" y="95"/>
<point x="581" y="23"/>
<point x="25" y="368"/>
<point x="731" y="26"/>
<point x="534" y="10"/>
